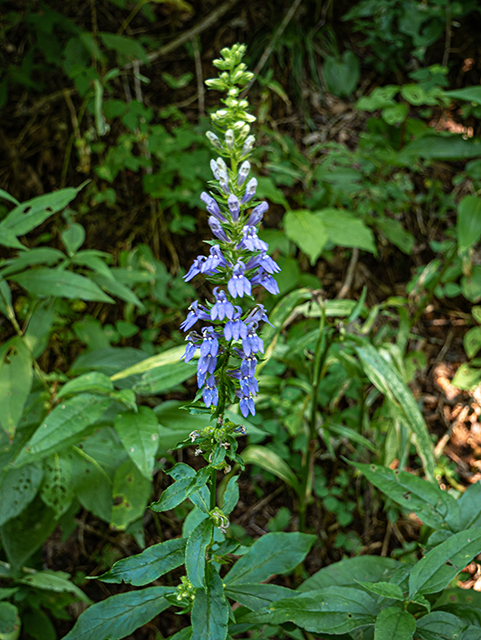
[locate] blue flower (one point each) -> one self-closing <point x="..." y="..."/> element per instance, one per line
<point x="212" y="206"/>
<point x="222" y="308"/>
<point x="248" y="384"/>
<point x="195" y="268"/>
<point x="217" y="229"/>
<point x="191" y="347"/>
<point x="243" y="172"/>
<point x="210" y="393"/>
<point x="215" y="259"/>
<point x="235" y="328"/>
<point x="210" y="344"/>
<point x="252" y="343"/>
<point x="250" y="240"/>
<point x="246" y="403"/>
<point x="250" y="190"/>
<point x="239" y="285"/>
<point x="195" y="313"/>
<point x="264" y="261"/>
<point x="233" y="204"/>
<point x="258" y="314"/>
<point x="266" y="280"/>
<point x="257" y="214"/>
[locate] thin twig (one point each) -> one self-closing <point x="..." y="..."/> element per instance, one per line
<point x="270" y="47"/>
<point x="447" y="42"/>
<point x="201" y="26"/>
<point x="199" y="76"/>
<point x="346" y="287"/>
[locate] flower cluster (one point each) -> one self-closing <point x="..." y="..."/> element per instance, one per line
<point x="237" y="260"/>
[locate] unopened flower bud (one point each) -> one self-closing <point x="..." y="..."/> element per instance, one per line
<point x="214" y="140"/>
<point x="229" y="138"/>
<point x="248" y="144"/>
<point x="243" y="172"/>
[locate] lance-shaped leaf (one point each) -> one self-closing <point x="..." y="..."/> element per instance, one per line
<point x="45" y="283"/>
<point x="93" y="382"/>
<point x="256" y="596"/>
<point x="63" y="425"/>
<point x="53" y="581"/>
<point x="131" y="492"/>
<point x="181" y="490"/>
<point x="120" y="615"/>
<point x="195" y="560"/>
<point x="149" y="565"/>
<point x="272" y="554"/>
<point x="443" y="563"/>
<point x="210" y="612"/>
<point x="440" y="625"/>
<point x="335" y="610"/>
<point x="58" y="490"/>
<point x="18" y="488"/>
<point x="347" y="572"/>
<point x="231" y="496"/>
<point x="383" y="589"/>
<point x="435" y="507"/>
<point x="140" y="436"/>
<point x="394" y="623"/>
<point x="470" y="507"/>
<point x="272" y="462"/>
<point x="15" y="383"/>
<point x="389" y="382"/>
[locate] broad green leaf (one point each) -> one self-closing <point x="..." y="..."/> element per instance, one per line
<point x="58" y="490"/>
<point x="380" y="98"/>
<point x="272" y="462"/>
<point x="7" y="196"/>
<point x="9" y="239"/>
<point x="140" y="436"/>
<point x="466" y="377"/>
<point x="350" y="434"/>
<point x="346" y="230"/>
<point x="44" y="282"/>
<point x="52" y="581"/>
<point x="162" y="379"/>
<point x="394" y="623"/>
<point x="23" y="535"/>
<point x="471" y="286"/>
<point x="396" y="233"/>
<point x="32" y="213"/>
<point x="15" y="384"/>
<point x="120" y="615"/>
<point x="171" y="356"/>
<point x="195" y="552"/>
<point x="348" y="571"/>
<point x="73" y="238"/>
<point x="18" y="488"/>
<point x="255" y="596"/>
<point x="267" y="189"/>
<point x="443" y="147"/>
<point x="334" y="610"/>
<point x="127" y="47"/>
<point x="383" y="589"/>
<point x="470" y="94"/>
<point x="470" y="507"/>
<point x="307" y="231"/>
<point x="341" y="75"/>
<point x="443" y="563"/>
<point x="63" y="425"/>
<point x="181" y="490"/>
<point x="6" y="299"/>
<point x="39" y="327"/>
<point x="40" y="255"/>
<point x="472" y="341"/>
<point x="210" y="613"/>
<point x="9" y="621"/>
<point x="93" y="382"/>
<point x="108" y="361"/>
<point x="416" y="94"/>
<point x="395" y="114"/>
<point x="184" y="634"/>
<point x="131" y="493"/>
<point x="149" y="565"/>
<point x="468" y="226"/>
<point x="435" y="507"/>
<point x="440" y="625"/>
<point x="385" y="377"/>
<point x="231" y="496"/>
<point x="116" y="289"/>
<point x="6" y="593"/>
<point x="272" y="554"/>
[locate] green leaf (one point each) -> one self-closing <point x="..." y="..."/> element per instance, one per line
<point x="350" y="434"/>
<point x="272" y="554"/>
<point x="440" y="625"/>
<point x="443" y="563"/>
<point x="57" y="489"/>
<point x="40" y="255"/>
<point x="443" y="147"/>
<point x="128" y="47"/>
<point x="470" y="94"/>
<point x="120" y="615"/>
<point x="416" y="94"/>
<point x="7" y="196"/>
<point x="346" y="230"/>
<point x="92" y="382"/>
<point x="395" y="624"/>
<point x="131" y="493"/>
<point x="341" y="76"/>
<point x="171" y="356"/>
<point x="469" y="507"/>
<point x="395" y="114"/>
<point x="380" y="98"/>
<point x="472" y="341"/>
<point x="73" y="238"/>
<point x="181" y="490"/>
<point x="23" y="535"/>
<point x="334" y="610"/>
<point x="210" y="613"/>
<point x="9" y="621"/>
<point x="466" y="377"/>
<point x="267" y="189"/>
<point x="396" y="233"/>
<point x="164" y="378"/>
<point x="307" y="231"/>
<point x="385" y="378"/>
<point x="255" y="596"/>
<point x="149" y="565"/>
<point x="195" y="552"/>
<point x="116" y="289"/>
<point x="6" y="300"/>
<point x="435" y="507"/>
<point x="63" y="425"/>
<point x="53" y="581"/>
<point x="15" y="384"/>
<point x="231" y="496"/>
<point x="468" y="225"/>
<point x="348" y="571"/>
<point x="384" y="589"/>
<point x="140" y="436"/>
<point x="40" y="327"/>
<point x="9" y="239"/>
<point x="272" y="462"/>
<point x="18" y="488"/>
<point x="44" y="282"/>
<point x="31" y="214"/>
